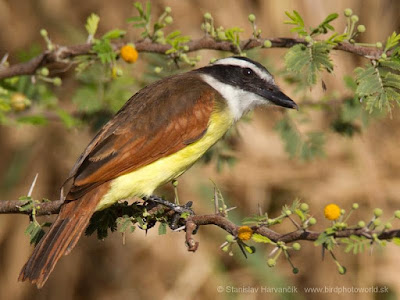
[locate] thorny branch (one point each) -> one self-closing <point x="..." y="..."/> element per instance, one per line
<point x="217" y="219"/>
<point x="64" y="54"/>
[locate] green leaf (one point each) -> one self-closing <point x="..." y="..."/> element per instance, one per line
<point x="101" y="221"/>
<point x="118" y="91"/>
<point x="298" y="146"/>
<point x="324" y="27"/>
<point x="392" y="41"/>
<point x="139" y="7"/>
<point x="114" y="34"/>
<point x="322" y="239"/>
<point x="313" y="146"/>
<point x="134" y="19"/>
<point x="350" y="82"/>
<point x="309" y="60"/>
<point x="124" y="223"/>
<point x="35" y="232"/>
<point x="33" y="120"/>
<point x="379" y="85"/>
<point x="301" y="215"/>
<point x="391" y="64"/>
<point x="92" y="23"/>
<point x="148" y="10"/>
<point x="330" y="18"/>
<point x="68" y="120"/>
<point x="296" y="19"/>
<point x="87" y="99"/>
<point x="5" y="104"/>
<point x="258" y="238"/>
<point x="162" y="228"/>
<point x="83" y="61"/>
<point x="254" y="220"/>
<point x="356" y="244"/>
<point x="104" y="51"/>
<point x="396" y="241"/>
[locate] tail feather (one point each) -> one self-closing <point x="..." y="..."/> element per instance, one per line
<point x="82" y="226"/>
<point x="62" y="237"/>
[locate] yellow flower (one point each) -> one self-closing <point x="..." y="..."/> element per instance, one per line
<point x="332" y="212"/>
<point x="19" y="102"/>
<point x="114" y="72"/>
<point x="245" y="233"/>
<point x="129" y="54"/>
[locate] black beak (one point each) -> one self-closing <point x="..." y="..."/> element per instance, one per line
<point x="274" y="95"/>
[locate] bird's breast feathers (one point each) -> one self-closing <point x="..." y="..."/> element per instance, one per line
<point x="145" y="180"/>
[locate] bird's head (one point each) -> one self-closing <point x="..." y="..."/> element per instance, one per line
<point x="244" y="84"/>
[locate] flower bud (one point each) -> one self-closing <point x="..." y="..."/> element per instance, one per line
<point x="271" y="262"/>
<point x="296" y="246"/>
<point x="169" y="20"/>
<point x="267" y="44"/>
<point x="57" y="81"/>
<point x="348" y="12"/>
<point x="378" y="212"/>
<point x="19" y="102"/>
<point x="377" y="222"/>
<point x="388" y="225"/>
<point x="252" y="18"/>
<point x="361" y="28"/>
<point x="304" y="207"/>
<point x="44" y="72"/>
<point x="43" y="32"/>
<point x="230" y="238"/>
<point x="207" y="16"/>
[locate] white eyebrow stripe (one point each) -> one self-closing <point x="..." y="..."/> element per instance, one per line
<point x="245" y="64"/>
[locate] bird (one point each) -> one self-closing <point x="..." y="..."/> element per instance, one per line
<point x="158" y="134"/>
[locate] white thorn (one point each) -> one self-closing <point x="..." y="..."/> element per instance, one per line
<point x="180" y="228"/>
<point x="33" y="185"/>
<point x="230" y="208"/>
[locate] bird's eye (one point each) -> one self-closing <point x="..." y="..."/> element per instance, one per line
<point x="248" y="72"/>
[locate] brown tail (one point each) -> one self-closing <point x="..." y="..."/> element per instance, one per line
<point x="62" y="237"/>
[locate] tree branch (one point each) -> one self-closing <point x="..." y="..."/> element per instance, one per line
<point x="300" y="234"/>
<point x="193" y="221"/>
<point x="45" y="208"/>
<point x="64" y="54"/>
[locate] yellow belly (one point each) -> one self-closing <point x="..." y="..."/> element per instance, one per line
<point x="143" y="181"/>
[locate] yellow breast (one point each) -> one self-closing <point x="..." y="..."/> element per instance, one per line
<point x="143" y="181"/>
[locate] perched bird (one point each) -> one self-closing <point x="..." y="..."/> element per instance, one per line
<point x="155" y="137"/>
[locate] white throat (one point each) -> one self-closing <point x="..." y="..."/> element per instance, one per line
<point x="239" y="101"/>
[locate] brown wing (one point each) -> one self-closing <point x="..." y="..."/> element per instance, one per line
<point x="157" y="121"/>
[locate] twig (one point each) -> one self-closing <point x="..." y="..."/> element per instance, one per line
<point x="63" y="54"/>
<point x="46" y="208"/>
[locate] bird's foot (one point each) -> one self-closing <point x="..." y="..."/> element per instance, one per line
<point x="181" y="212"/>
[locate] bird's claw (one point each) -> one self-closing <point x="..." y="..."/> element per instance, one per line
<point x="176" y="208"/>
